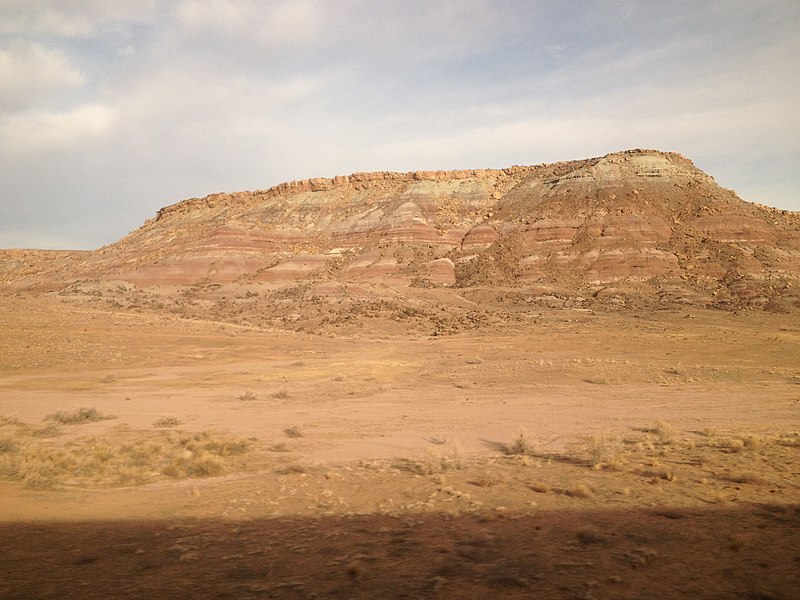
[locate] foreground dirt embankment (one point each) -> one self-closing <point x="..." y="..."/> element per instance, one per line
<point x="570" y="455"/>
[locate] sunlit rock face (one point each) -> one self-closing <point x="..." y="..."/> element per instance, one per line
<point x="633" y="216"/>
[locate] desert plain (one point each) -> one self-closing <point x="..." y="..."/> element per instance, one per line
<point x="575" y="455"/>
<point x="450" y="424"/>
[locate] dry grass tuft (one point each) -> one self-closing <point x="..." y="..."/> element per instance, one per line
<point x="579" y="490"/>
<point x="438" y="460"/>
<point x="97" y="462"/>
<point x="293" y="432"/>
<point x="48" y="430"/>
<point x="486" y="479"/>
<point x="8" y="444"/>
<point x="248" y="396"/>
<point x="78" y="416"/>
<point x="293" y="469"/>
<point x="663" y="431"/>
<point x="665" y="473"/>
<point x="602" y="451"/>
<point x="167" y="421"/>
<point x="281" y="395"/>
<point x="521" y="445"/>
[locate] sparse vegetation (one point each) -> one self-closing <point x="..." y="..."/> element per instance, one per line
<point x="293" y="432"/>
<point x="602" y="451"/>
<point x="98" y="462"/>
<point x="8" y="444"/>
<point x="167" y="421"/>
<point x="282" y="394"/>
<point x="579" y="490"/>
<point x="8" y="420"/>
<point x="47" y="430"/>
<point x="521" y="445"/>
<point x="248" y="396"/>
<point x="78" y="416"/>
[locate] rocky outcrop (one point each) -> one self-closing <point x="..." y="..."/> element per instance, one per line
<point x="633" y="216"/>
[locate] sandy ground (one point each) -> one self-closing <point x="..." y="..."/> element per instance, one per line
<point x="578" y="455"/>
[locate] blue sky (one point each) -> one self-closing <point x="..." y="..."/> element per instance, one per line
<point x="110" y="109"/>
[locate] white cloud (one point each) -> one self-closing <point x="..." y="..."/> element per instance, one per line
<point x="70" y="19"/>
<point x="190" y="97"/>
<point x="32" y="132"/>
<point x="285" y="22"/>
<point x="29" y="72"/>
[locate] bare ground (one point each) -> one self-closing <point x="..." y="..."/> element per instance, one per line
<point x="574" y="455"/>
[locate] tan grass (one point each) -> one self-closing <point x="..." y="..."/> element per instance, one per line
<point x="293" y="432"/>
<point x="579" y="490"/>
<point x="97" y="462"/>
<point x="602" y="451"/>
<point x="78" y="416"/>
<point x="521" y="445"/>
<point x="541" y="488"/>
<point x="167" y="421"/>
<point x="47" y="430"/>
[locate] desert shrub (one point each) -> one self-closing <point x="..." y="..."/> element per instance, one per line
<point x="97" y="462"/>
<point x="601" y="451"/>
<point x="663" y="431"/>
<point x="8" y="444"/>
<point x="167" y="421"/>
<point x="521" y="445"/>
<point x="78" y="416"/>
<point x="438" y="460"/>
<point x="47" y="430"/>
<point x="579" y="490"/>
<point x="294" y="431"/>
<point x="248" y="396"/>
<point x="541" y="488"/>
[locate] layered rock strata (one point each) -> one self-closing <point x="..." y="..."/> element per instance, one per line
<point x="639" y="215"/>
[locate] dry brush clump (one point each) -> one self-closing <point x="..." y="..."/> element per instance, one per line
<point x="135" y="460"/>
<point x="520" y="445"/>
<point x="437" y="461"/>
<point x="293" y="432"/>
<point x="167" y="421"/>
<point x="78" y="416"/>
<point x="601" y="451"/>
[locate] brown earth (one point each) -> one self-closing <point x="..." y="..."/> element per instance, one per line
<point x="573" y="455"/>
<point x="578" y="380"/>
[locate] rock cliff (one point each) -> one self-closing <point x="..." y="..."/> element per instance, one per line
<point x="599" y="228"/>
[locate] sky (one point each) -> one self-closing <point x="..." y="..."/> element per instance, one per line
<point x="110" y="110"/>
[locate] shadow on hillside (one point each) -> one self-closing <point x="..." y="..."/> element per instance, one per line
<point x="750" y="552"/>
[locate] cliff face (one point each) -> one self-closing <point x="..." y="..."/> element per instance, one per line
<point x="581" y="226"/>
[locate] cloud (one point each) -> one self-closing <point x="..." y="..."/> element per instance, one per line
<point x="71" y="19"/>
<point x="31" y="72"/>
<point x="184" y="98"/>
<point x="33" y="132"/>
<point x="265" y="24"/>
